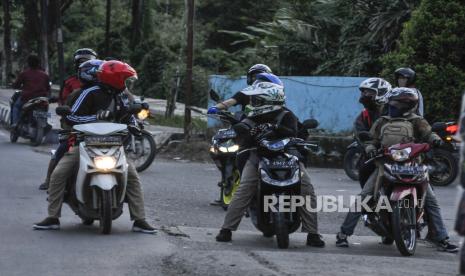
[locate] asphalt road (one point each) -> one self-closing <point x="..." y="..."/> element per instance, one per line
<point x="177" y="197"/>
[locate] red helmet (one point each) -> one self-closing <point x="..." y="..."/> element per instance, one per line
<point x="115" y="73"/>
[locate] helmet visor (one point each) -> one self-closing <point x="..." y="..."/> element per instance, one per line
<point x="130" y="84"/>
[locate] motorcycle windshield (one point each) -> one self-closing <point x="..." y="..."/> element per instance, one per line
<point x="100" y="128"/>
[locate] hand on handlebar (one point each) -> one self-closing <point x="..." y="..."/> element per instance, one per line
<point x="104" y="115"/>
<point x="213" y="110"/>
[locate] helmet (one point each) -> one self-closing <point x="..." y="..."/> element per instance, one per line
<point x="373" y="91"/>
<point x="255" y="69"/>
<point x="267" y="77"/>
<point x="265" y="97"/>
<point x="407" y="73"/>
<point x="402" y="101"/>
<point x="87" y="71"/>
<point x="116" y="74"/>
<point x="82" y="55"/>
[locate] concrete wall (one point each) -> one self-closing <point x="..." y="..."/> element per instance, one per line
<point x="333" y="101"/>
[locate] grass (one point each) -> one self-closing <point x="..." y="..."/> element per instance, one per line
<point x="176" y="121"/>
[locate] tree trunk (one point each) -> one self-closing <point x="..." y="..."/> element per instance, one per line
<point x="107" y="28"/>
<point x="7" y="40"/>
<point x="136" y="22"/>
<point x="30" y="37"/>
<point x="44" y="34"/>
<point x="189" y="62"/>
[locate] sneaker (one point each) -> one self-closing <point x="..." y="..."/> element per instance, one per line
<point x="341" y="240"/>
<point x="143" y="227"/>
<point x="47" y="224"/>
<point x="315" y="240"/>
<point x="224" y="235"/>
<point x="43" y="186"/>
<point x="446" y="246"/>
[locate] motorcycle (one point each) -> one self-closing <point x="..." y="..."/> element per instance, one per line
<point x="403" y="180"/>
<point x="279" y="175"/>
<point x="353" y="158"/>
<point x="443" y="162"/>
<point x="32" y="123"/>
<point x="140" y="146"/>
<point x="98" y="189"/>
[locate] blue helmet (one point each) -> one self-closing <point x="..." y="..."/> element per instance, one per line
<point x="268" y="77"/>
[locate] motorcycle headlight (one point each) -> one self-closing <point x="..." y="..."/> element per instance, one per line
<point x="277" y="145"/>
<point x="105" y="163"/>
<point x="232" y="148"/>
<point x="401" y="155"/>
<point x="212" y="149"/>
<point x="143" y="114"/>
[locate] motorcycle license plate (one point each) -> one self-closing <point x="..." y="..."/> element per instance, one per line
<point x="42" y="114"/>
<point x="103" y="140"/>
<point x="282" y="164"/>
<point x="406" y="170"/>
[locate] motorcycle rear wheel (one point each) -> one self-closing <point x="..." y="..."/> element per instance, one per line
<point x="404" y="226"/>
<point x="351" y="163"/>
<point x="281" y="230"/>
<point x="106" y="216"/>
<point x="38" y="137"/>
<point x="13" y="136"/>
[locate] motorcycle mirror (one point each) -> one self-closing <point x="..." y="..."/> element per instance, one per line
<point x="365" y="136"/>
<point x="214" y="96"/>
<point x="310" y="123"/>
<point x="63" y="110"/>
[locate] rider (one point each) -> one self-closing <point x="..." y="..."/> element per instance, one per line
<point x="34" y="82"/>
<point x="373" y="97"/>
<point x="402" y="103"/>
<point x="405" y="77"/>
<point x="266" y="107"/>
<point x="239" y="97"/>
<point x="71" y="86"/>
<point x="72" y="83"/>
<point x="99" y="100"/>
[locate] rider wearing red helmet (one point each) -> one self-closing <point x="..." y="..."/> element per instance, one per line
<point x="100" y="99"/>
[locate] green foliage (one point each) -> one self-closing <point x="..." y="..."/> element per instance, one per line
<point x="432" y="43"/>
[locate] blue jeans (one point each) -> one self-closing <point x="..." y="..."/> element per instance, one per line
<point x="431" y="207"/>
<point x="16" y="110"/>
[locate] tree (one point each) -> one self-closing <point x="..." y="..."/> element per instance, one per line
<point x="432" y="43"/>
<point x="7" y="39"/>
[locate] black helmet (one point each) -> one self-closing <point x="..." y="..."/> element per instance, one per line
<point x="83" y="55"/>
<point x="407" y="73"/>
<point x="255" y="69"/>
<point x="402" y="100"/>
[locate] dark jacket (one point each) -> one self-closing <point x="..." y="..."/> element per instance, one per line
<point x="33" y="83"/>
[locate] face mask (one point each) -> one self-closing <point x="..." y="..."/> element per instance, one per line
<point x="368" y="102"/>
<point x="402" y="82"/>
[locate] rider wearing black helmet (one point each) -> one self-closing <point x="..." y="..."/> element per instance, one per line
<point x="406" y="77"/>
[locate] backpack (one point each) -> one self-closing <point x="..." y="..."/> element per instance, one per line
<point x="396" y="131"/>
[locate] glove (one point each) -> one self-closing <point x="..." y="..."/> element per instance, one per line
<point x="438" y="143"/>
<point x="261" y="128"/>
<point x="103" y="115"/>
<point x="213" y="110"/>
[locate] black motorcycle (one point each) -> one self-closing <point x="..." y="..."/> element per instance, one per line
<point x="443" y="162"/>
<point x="279" y="175"/>
<point x="353" y="158"/>
<point x="140" y="146"/>
<point x="32" y="123"/>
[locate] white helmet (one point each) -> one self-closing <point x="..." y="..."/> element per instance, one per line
<point x="380" y="86"/>
<point x="265" y="97"/>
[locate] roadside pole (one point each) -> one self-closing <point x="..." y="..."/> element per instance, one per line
<point x="190" y="49"/>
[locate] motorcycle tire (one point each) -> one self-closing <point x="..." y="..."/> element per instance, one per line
<point x="440" y="155"/>
<point x="351" y="163"/>
<point x="88" y="222"/>
<point x="153" y="151"/>
<point x="399" y="214"/>
<point x="281" y="230"/>
<point x="106" y="216"/>
<point x="387" y="241"/>
<point x="38" y="137"/>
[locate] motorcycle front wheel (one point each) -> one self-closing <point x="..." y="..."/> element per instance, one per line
<point x="281" y="230"/>
<point x="144" y="152"/>
<point x="445" y="168"/>
<point x="404" y="226"/>
<point x="106" y="216"/>
<point x="36" y="140"/>
<point x="351" y="163"/>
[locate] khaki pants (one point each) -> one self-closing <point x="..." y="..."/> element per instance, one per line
<point x="65" y="169"/>
<point x="248" y="188"/>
